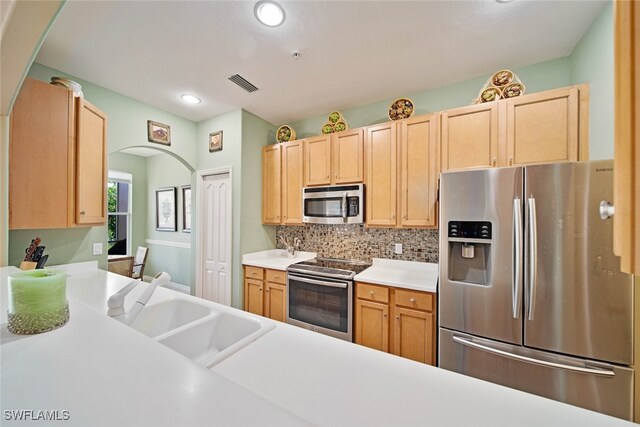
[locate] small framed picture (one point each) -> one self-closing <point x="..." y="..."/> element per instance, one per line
<point x="186" y="209"/>
<point x="158" y="133"/>
<point x="166" y="209"/>
<point x="215" y="141"/>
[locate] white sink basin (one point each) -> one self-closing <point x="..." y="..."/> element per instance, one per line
<point x="215" y="338"/>
<point x="158" y="319"/>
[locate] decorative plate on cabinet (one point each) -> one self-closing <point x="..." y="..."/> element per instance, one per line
<point x="285" y="133"/>
<point x="401" y="108"/>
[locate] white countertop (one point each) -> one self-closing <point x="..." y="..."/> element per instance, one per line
<point x="276" y="259"/>
<point x="420" y="276"/>
<point x="105" y="373"/>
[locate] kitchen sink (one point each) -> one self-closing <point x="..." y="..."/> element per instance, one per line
<point x="158" y="319"/>
<point x="215" y="338"/>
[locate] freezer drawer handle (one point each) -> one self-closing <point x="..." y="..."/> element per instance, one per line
<point x="516" y="280"/>
<point x="533" y="256"/>
<point x="590" y="371"/>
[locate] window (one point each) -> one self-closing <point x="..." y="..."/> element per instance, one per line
<point x="119" y="213"/>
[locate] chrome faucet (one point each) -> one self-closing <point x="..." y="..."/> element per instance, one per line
<point x="116" y="301"/>
<point x="291" y="249"/>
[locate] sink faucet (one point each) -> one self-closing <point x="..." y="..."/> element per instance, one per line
<point x="291" y="249"/>
<point x="116" y="301"/>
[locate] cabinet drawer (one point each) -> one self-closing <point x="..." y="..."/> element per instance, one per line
<point x="414" y="299"/>
<point x="277" y="276"/>
<point x="372" y="292"/>
<point x="253" y="272"/>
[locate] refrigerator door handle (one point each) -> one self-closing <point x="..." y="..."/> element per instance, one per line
<point x="533" y="256"/>
<point x="548" y="364"/>
<point x="516" y="280"/>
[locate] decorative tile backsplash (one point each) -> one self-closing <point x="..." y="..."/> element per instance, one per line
<point x="355" y="241"/>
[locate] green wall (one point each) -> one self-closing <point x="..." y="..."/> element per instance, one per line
<point x="537" y="77"/>
<point x="256" y="133"/>
<point x="165" y="171"/>
<point x="137" y="167"/>
<point x="592" y="62"/>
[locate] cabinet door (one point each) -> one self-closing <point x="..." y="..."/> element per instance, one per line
<point x="271" y="184"/>
<point x="91" y="164"/>
<point x="381" y="182"/>
<point x="626" y="197"/>
<point x="317" y="160"/>
<point x="292" y="178"/>
<point x="253" y="296"/>
<point x="469" y="137"/>
<point x="543" y="127"/>
<point x="40" y="169"/>
<point x="418" y="172"/>
<point x="348" y="156"/>
<point x="414" y="334"/>
<point x="275" y="301"/>
<point x="372" y="325"/>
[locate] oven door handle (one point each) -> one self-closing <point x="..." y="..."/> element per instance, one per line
<point x="319" y="282"/>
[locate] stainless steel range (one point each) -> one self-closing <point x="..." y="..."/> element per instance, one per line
<point x="320" y="295"/>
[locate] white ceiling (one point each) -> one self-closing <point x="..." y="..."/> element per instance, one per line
<point x="352" y="52"/>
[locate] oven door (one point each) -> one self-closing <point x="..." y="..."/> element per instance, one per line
<point x="320" y="304"/>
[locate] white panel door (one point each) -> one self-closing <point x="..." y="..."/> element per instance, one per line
<point x="216" y="238"/>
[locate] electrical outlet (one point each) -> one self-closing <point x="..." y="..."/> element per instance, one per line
<point x="97" y="248"/>
<point x="398" y="248"/>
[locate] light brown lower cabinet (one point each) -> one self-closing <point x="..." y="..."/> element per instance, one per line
<point x="265" y="292"/>
<point x="397" y="321"/>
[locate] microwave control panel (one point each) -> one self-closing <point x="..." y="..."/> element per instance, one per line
<point x="353" y="206"/>
<point x="470" y="229"/>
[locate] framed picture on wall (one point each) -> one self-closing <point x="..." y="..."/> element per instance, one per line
<point x="186" y="209"/>
<point x="215" y="141"/>
<point x="158" y="133"/>
<point x="166" y="209"/>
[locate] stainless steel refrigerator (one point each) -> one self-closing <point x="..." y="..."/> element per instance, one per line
<point x="531" y="295"/>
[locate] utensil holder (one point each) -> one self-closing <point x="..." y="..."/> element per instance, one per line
<point x="37" y="301"/>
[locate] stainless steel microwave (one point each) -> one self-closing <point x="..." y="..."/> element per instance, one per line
<point x="338" y="204"/>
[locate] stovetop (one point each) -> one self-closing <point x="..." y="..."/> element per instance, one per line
<point x="330" y="267"/>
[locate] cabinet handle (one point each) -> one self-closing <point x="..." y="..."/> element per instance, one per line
<point x="260" y="289"/>
<point x="336" y="175"/>
<point x="393" y="216"/>
<point x="276" y="277"/>
<point x="385" y="315"/>
<point x="404" y="216"/>
<point x="493" y="162"/>
<point x="510" y="161"/>
<point x="398" y="318"/>
<point x="82" y="212"/>
<point x="267" y="290"/>
<point x="285" y="217"/>
<point x="371" y="293"/>
<point x="412" y="300"/>
<point x="327" y="175"/>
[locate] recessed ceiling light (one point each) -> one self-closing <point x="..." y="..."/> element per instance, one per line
<point x="190" y="99"/>
<point x="269" y="13"/>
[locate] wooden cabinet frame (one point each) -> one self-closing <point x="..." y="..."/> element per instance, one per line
<point x="336" y="158"/>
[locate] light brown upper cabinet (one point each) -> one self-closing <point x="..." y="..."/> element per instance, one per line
<point x="335" y="158"/>
<point x="271" y="200"/>
<point x="402" y="173"/>
<point x="550" y="126"/>
<point x="626" y="196"/>
<point x="292" y="179"/>
<point x="57" y="159"/>
<point x="418" y="171"/>
<point x="469" y="137"/>
<point x="282" y="176"/>
<point x="381" y="180"/>
<point x="544" y="127"/>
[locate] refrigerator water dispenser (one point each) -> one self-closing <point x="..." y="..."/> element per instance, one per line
<point x="470" y="252"/>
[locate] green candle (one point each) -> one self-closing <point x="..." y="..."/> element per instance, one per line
<point x="37" y="301"/>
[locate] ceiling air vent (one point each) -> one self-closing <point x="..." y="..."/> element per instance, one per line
<point x="243" y="83"/>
